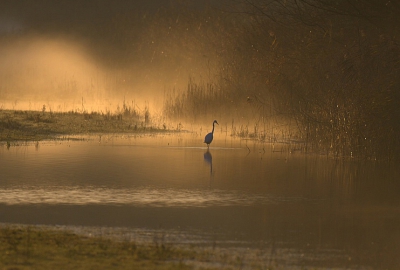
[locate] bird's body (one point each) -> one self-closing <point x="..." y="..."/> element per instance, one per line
<point x="210" y="136"/>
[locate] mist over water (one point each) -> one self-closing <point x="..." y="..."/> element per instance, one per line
<point x="97" y="59"/>
<point x="61" y="74"/>
<point x="319" y="78"/>
<point x="303" y="161"/>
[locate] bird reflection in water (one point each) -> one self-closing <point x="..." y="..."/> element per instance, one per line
<point x="208" y="159"/>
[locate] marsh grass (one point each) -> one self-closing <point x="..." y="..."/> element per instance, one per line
<point x="46" y="124"/>
<point x="201" y="102"/>
<point x="32" y="248"/>
<point x="313" y="123"/>
<point x="38" y="247"/>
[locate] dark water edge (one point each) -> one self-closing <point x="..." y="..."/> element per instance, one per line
<point x="327" y="240"/>
<point x="297" y="210"/>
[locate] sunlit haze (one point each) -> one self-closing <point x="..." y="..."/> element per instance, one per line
<point x="232" y="134"/>
<point x="96" y="60"/>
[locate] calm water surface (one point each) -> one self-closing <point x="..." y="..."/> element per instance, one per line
<point x="289" y="208"/>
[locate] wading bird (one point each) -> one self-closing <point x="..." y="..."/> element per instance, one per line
<point x="210" y="136"/>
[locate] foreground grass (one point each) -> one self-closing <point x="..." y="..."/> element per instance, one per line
<point x="33" y="248"/>
<point x="36" y="126"/>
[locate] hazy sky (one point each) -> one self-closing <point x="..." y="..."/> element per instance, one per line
<point x="50" y="48"/>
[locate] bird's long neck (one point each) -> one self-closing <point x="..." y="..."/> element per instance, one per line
<point x="213" y="129"/>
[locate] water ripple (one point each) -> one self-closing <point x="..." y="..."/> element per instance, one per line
<point x="155" y="197"/>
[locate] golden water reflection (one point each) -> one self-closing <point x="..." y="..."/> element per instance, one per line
<point x="147" y="196"/>
<point x="318" y="211"/>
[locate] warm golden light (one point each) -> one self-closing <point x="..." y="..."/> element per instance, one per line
<point x="61" y="74"/>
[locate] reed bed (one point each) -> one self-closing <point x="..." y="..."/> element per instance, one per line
<point x="46" y="124"/>
<point x="346" y="128"/>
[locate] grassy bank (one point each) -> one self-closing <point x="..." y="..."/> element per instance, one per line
<point x="36" y="126"/>
<point x="33" y="248"/>
<point x="38" y="247"/>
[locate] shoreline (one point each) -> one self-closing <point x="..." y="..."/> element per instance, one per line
<point x="52" y="246"/>
<point x="17" y="126"/>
